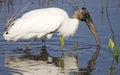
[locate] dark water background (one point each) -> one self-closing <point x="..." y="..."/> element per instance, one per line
<point x="86" y="42"/>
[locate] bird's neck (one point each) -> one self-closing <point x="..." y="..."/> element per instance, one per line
<point x="76" y="14"/>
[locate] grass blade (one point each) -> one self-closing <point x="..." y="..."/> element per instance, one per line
<point x="61" y="41"/>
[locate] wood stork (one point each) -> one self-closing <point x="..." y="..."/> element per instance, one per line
<point x="42" y="23"/>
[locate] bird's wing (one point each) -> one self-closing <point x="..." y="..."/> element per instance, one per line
<point x="43" y="24"/>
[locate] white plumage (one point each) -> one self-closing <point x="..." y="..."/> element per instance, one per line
<point x="40" y="22"/>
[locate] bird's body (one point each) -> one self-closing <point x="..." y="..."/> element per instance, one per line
<point x="41" y="22"/>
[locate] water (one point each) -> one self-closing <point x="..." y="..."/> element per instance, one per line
<point x="86" y="43"/>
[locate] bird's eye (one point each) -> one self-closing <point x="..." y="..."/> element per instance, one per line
<point x="87" y="15"/>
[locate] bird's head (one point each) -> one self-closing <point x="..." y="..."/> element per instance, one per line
<point x="83" y="15"/>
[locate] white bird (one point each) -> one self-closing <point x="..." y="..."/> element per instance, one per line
<point x="42" y="23"/>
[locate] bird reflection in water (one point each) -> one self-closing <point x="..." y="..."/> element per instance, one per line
<point x="90" y="67"/>
<point x="44" y="64"/>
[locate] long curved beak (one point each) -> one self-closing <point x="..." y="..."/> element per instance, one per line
<point x="92" y="28"/>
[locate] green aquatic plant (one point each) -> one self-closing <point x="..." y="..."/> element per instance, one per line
<point x="62" y="64"/>
<point x="114" y="49"/>
<point x="76" y="45"/>
<point x="61" y="41"/>
<point x="76" y="49"/>
<point x="115" y="52"/>
<point x="112" y="70"/>
<point x="111" y="44"/>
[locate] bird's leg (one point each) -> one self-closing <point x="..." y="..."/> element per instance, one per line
<point x="28" y="44"/>
<point x="43" y="42"/>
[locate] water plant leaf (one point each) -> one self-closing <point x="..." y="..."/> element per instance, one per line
<point x="111" y="44"/>
<point x="61" y="41"/>
<point x="116" y="55"/>
<point x="62" y="64"/>
<point x="76" y="45"/>
<point x="76" y="48"/>
<point x="112" y="70"/>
